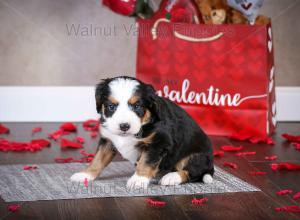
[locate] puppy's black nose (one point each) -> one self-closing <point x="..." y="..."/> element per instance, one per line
<point x="124" y="127"/>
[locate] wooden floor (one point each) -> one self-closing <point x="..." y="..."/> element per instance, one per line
<point x="252" y="205"/>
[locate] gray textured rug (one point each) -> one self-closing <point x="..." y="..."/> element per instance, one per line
<point x="51" y="182"/>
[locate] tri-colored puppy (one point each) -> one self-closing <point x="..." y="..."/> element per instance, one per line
<point x="151" y="132"/>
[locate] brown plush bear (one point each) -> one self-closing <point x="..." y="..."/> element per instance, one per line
<point x="218" y="12"/>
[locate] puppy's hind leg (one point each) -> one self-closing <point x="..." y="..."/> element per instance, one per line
<point x="200" y="168"/>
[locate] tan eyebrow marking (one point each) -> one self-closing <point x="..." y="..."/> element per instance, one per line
<point x="113" y="100"/>
<point x="133" y="99"/>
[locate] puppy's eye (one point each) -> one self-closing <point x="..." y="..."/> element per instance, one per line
<point x="111" y="107"/>
<point x="137" y="107"/>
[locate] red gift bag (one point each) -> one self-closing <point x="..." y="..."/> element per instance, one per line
<point x="222" y="75"/>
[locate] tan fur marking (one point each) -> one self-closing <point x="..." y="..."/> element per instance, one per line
<point x="133" y="99"/>
<point x="144" y="169"/>
<point x="113" y="100"/>
<point x="179" y="167"/>
<point x="184" y="175"/>
<point x="148" y="140"/>
<point x="146" y="117"/>
<point x="182" y="163"/>
<point x="103" y="157"/>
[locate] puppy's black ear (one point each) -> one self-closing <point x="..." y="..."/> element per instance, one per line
<point x="152" y="100"/>
<point x="101" y="93"/>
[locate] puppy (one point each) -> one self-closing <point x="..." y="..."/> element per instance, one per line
<point x="153" y="133"/>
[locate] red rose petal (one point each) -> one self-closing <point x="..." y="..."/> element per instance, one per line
<point x="284" y="192"/>
<point x="91" y="125"/>
<point x="243" y="136"/>
<point x="257" y="173"/>
<point x="32" y="167"/>
<point x="240" y="136"/>
<point x="36" y="130"/>
<point x="296" y="196"/>
<point x="70" y="127"/>
<point x="292" y="208"/>
<point x="297" y="146"/>
<point x="3" y="129"/>
<point x="242" y="154"/>
<point x="219" y="154"/>
<point x="34" y="145"/>
<point x="55" y="135"/>
<point x="285" y="166"/>
<point x="231" y="165"/>
<point x="271" y="158"/>
<point x="94" y="134"/>
<point x="13" y="207"/>
<point x="231" y="148"/>
<point x="155" y="202"/>
<point x="80" y="140"/>
<point x="291" y="138"/>
<point x="64" y="143"/>
<point x="199" y="201"/>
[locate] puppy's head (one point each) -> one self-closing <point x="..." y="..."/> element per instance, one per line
<point x="124" y="104"/>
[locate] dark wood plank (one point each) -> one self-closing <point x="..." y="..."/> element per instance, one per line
<point x="256" y="205"/>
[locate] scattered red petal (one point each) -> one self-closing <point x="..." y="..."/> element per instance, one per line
<point x="297" y="146"/>
<point x="91" y="125"/>
<point x="271" y="158"/>
<point x="68" y="127"/>
<point x="32" y="167"/>
<point x="292" y="208"/>
<point x="85" y="154"/>
<point x="64" y="160"/>
<point x="3" y="129"/>
<point x="86" y="182"/>
<point x="296" y="196"/>
<point x="242" y="154"/>
<point x="94" y="134"/>
<point x="284" y="192"/>
<point x="199" y="201"/>
<point x="244" y="136"/>
<point x="36" y="130"/>
<point x="34" y="145"/>
<point x="257" y="173"/>
<point x="267" y="140"/>
<point x="231" y="148"/>
<point x="231" y="165"/>
<point x="55" y="135"/>
<point x="155" y="203"/>
<point x="13" y="207"/>
<point x="291" y="138"/>
<point x="64" y="143"/>
<point x="80" y="140"/>
<point x="219" y="154"/>
<point x="285" y="166"/>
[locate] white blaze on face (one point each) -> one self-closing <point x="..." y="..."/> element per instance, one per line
<point x="122" y="90"/>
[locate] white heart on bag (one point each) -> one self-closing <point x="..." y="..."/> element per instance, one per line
<point x="274" y="108"/>
<point x="271" y="84"/>
<point x="272" y="71"/>
<point x="270" y="45"/>
<point x="274" y="120"/>
<point x="270" y="33"/>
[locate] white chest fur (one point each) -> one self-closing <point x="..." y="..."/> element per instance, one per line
<point x="125" y="145"/>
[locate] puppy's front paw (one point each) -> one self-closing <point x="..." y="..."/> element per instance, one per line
<point x="80" y="177"/>
<point x="137" y="182"/>
<point x="171" y="179"/>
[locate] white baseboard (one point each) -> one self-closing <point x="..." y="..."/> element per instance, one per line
<point x="56" y="104"/>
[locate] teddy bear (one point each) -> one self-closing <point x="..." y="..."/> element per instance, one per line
<point x="219" y="12"/>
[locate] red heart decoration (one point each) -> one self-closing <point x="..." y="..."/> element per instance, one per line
<point x="246" y="6"/>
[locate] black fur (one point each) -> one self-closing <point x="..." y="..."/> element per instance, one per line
<point x="176" y="134"/>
